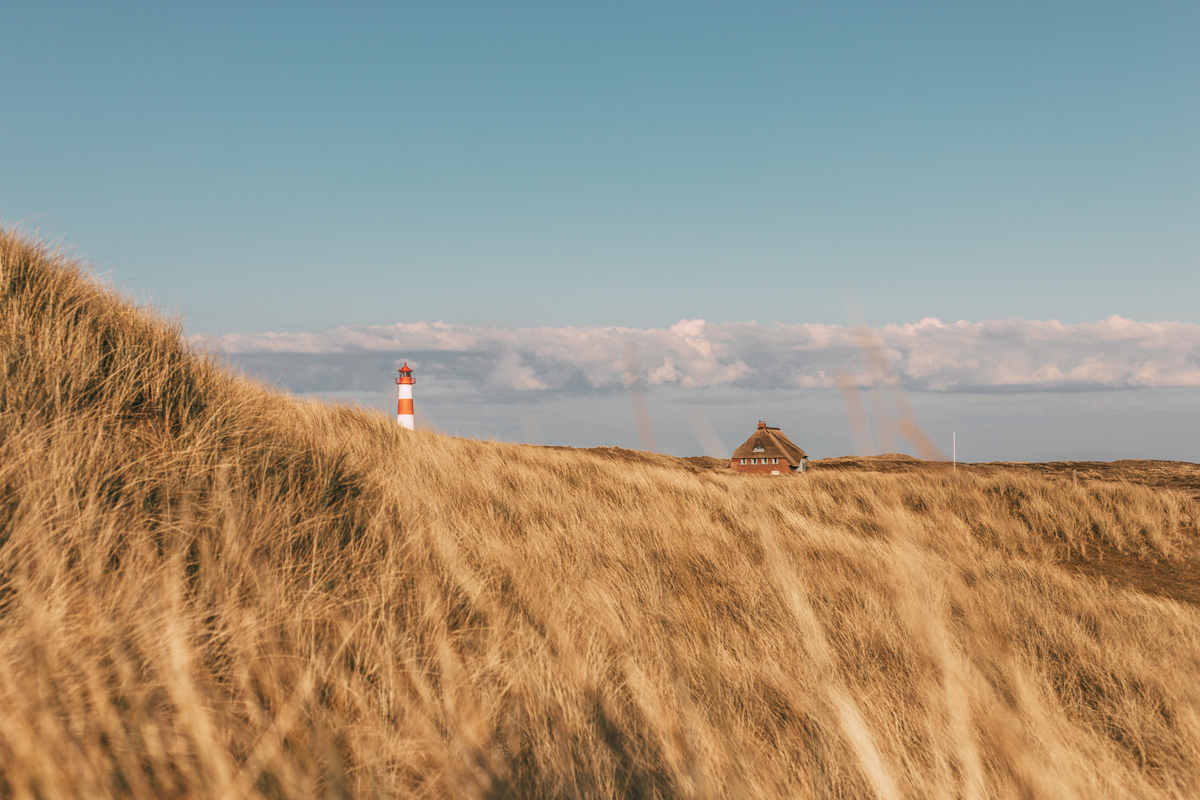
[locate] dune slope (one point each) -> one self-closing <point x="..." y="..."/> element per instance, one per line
<point x="210" y="589"/>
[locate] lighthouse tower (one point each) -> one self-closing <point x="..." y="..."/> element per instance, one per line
<point x="404" y="407"/>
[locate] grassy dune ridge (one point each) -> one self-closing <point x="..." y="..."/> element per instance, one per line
<point x="210" y="589"/>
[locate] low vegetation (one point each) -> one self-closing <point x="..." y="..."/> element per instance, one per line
<point x="210" y="589"/>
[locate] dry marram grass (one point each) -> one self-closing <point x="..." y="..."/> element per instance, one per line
<point x="208" y="589"/>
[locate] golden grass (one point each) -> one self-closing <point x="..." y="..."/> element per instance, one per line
<point x="208" y="589"/>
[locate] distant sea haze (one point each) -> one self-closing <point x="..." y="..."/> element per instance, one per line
<point x="1015" y="390"/>
<point x="996" y="356"/>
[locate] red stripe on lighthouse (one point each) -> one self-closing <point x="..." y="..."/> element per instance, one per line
<point x="404" y="406"/>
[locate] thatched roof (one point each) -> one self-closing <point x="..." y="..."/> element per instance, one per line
<point x="774" y="444"/>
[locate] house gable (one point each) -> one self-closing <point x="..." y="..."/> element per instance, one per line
<point x="768" y="450"/>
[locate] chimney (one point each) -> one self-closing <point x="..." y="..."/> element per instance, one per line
<point x="761" y="424"/>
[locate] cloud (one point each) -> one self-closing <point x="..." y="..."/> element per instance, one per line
<point x="930" y="355"/>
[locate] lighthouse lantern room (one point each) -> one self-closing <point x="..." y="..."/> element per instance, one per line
<point x="404" y="407"/>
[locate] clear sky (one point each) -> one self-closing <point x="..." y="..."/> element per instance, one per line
<point x="296" y="168"/>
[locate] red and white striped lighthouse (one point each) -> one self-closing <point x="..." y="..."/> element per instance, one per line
<point x="404" y="407"/>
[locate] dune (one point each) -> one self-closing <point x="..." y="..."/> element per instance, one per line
<point x="209" y="588"/>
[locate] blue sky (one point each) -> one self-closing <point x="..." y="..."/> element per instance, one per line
<point x="300" y="168"/>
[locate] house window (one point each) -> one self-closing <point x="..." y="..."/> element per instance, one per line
<point x="743" y="461"/>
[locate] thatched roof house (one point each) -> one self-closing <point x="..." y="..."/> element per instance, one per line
<point x="769" y="452"/>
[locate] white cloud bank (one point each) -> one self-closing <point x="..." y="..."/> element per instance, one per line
<point x="1002" y="355"/>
